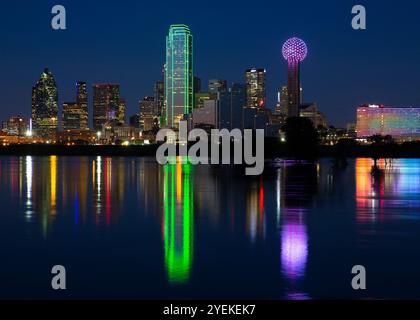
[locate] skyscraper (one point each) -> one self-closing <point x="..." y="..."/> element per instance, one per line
<point x="135" y="121"/>
<point x="256" y="92"/>
<point x="200" y="98"/>
<point x="73" y="116"/>
<point x="147" y="113"/>
<point x="282" y="101"/>
<point x="238" y="103"/>
<point x="82" y="102"/>
<point x="179" y="80"/>
<point x="294" y="51"/>
<point x="216" y="85"/>
<point x="160" y="98"/>
<point x="121" y="111"/>
<point x="45" y="105"/>
<point x="231" y="104"/>
<point x="206" y="116"/>
<point x="106" y="104"/>
<point x="197" y="85"/>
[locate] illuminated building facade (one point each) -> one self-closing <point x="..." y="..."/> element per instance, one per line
<point x="106" y="104"/>
<point x="148" y="113"/>
<point x="283" y="100"/>
<point x="82" y="102"/>
<point x="121" y="111"/>
<point x="255" y="88"/>
<point x="400" y="123"/>
<point x="216" y="85"/>
<point x="179" y="80"/>
<point x="294" y="51"/>
<point x="15" y="126"/>
<point x="79" y="137"/>
<point x="73" y="116"/>
<point x="45" y="105"/>
<point x="200" y="98"/>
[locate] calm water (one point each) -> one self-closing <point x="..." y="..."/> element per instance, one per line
<point x="129" y="228"/>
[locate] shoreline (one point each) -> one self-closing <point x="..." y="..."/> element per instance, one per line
<point x="272" y="151"/>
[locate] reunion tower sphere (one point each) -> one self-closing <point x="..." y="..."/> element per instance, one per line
<point x="295" y="49"/>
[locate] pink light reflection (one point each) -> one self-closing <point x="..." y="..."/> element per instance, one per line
<point x="294" y="250"/>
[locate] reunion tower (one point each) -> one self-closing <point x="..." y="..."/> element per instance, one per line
<point x="294" y="51"/>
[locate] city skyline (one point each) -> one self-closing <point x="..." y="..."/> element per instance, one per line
<point x="203" y="158"/>
<point x="361" y="61"/>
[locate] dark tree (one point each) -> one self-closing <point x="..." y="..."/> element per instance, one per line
<point x="301" y="137"/>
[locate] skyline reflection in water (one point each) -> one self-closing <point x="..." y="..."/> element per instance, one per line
<point x="394" y="184"/>
<point x="178" y="221"/>
<point x="202" y="228"/>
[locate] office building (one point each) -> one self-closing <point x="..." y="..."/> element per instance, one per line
<point x="179" y="80"/>
<point x="311" y="112"/>
<point x="121" y="111"/>
<point x="200" y="98"/>
<point x="255" y="88"/>
<point x="134" y="121"/>
<point x="15" y="126"/>
<point x="230" y="107"/>
<point x="402" y="124"/>
<point x="73" y="117"/>
<point x="106" y="104"/>
<point x="45" y="106"/>
<point x="216" y="85"/>
<point x="148" y="113"/>
<point x="206" y="117"/>
<point x="159" y="91"/>
<point x="82" y="101"/>
<point x="197" y="85"/>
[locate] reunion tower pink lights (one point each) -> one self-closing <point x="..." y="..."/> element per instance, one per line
<point x="294" y="51"/>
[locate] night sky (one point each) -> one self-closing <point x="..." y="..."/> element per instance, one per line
<point x="124" y="42"/>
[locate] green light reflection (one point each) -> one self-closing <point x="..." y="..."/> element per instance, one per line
<point x="178" y="222"/>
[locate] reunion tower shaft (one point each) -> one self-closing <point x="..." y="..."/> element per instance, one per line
<point x="294" y="51"/>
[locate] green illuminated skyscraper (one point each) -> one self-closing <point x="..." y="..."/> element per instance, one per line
<point x="179" y="80"/>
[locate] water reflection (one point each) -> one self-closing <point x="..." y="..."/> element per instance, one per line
<point x="255" y="210"/>
<point x="384" y="185"/>
<point x="273" y="219"/>
<point x="178" y="222"/>
<point x="296" y="185"/>
<point x="74" y="187"/>
<point x="28" y="176"/>
<point x="108" y="184"/>
<point x="294" y="249"/>
<point x="53" y="184"/>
